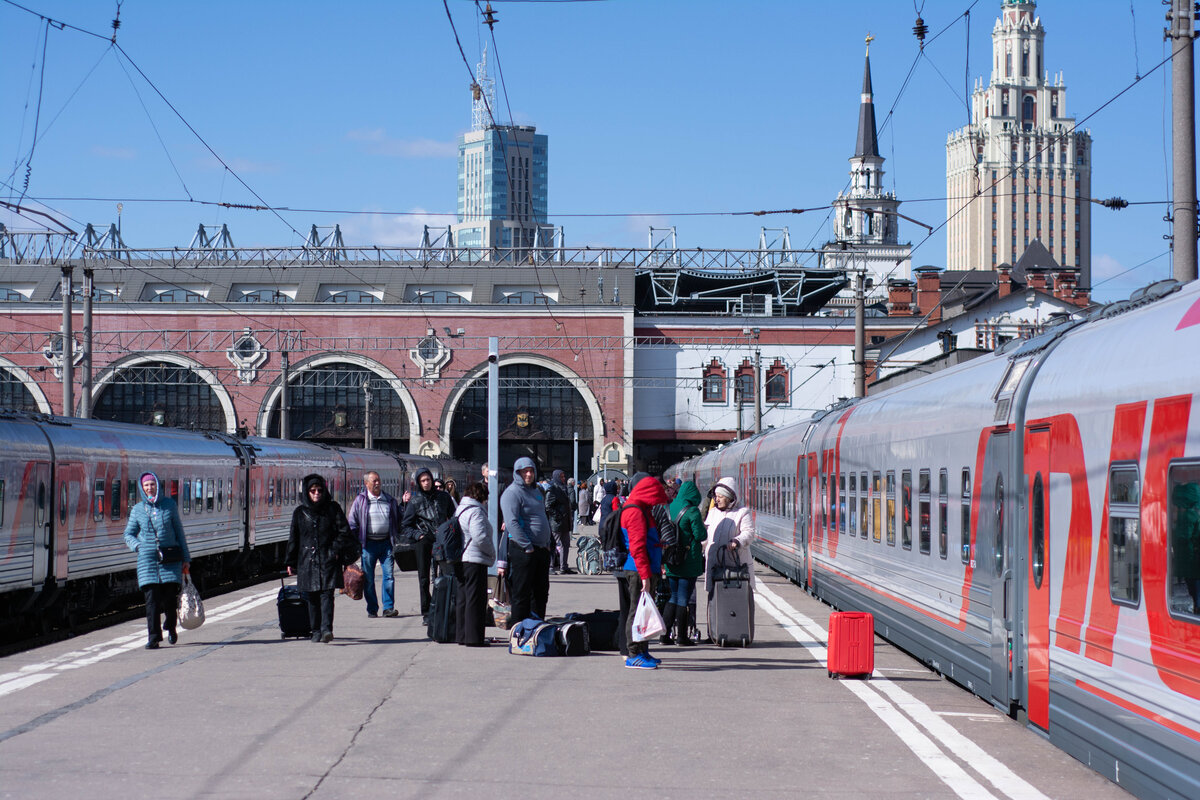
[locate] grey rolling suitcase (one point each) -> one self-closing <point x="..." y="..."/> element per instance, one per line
<point x="730" y="601"/>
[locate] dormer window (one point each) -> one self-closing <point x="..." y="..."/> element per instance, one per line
<point x="347" y="296"/>
<point x="439" y="297"/>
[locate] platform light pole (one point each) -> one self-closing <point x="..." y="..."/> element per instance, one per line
<point x="493" y="440"/>
<point x="1183" y="139"/>
<point x="285" y="399"/>
<point x="368" y="441"/>
<point x="85" y="388"/>
<point x="68" y="342"/>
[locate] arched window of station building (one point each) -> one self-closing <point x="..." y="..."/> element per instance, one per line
<point x="526" y="298"/>
<point x="438" y="297"/>
<point x="328" y="403"/>
<point x="18" y="390"/>
<point x="165" y="391"/>
<point x="541" y="410"/>
<point x="179" y="295"/>
<point x="262" y="296"/>
<point x="348" y="296"/>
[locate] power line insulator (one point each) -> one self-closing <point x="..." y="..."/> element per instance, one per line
<point x="919" y="30"/>
<point x="489" y="17"/>
<point x="1115" y="203"/>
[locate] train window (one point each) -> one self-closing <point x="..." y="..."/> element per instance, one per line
<point x="891" y="508"/>
<point x="270" y="492"/>
<point x="131" y="493"/>
<point x="187" y="496"/>
<point x="62" y="504"/>
<point x="1124" y="510"/>
<point x="279" y="498"/>
<point x="965" y="531"/>
<point x="220" y="495"/>
<point x="1037" y="510"/>
<point x="906" y="509"/>
<point x="208" y="502"/>
<point x="852" y="505"/>
<point x="98" y="500"/>
<point x="174" y="490"/>
<point x="116" y="498"/>
<point x="943" y="511"/>
<point x="824" y="502"/>
<point x="862" y="505"/>
<point x="998" y="546"/>
<point x="229" y="491"/>
<point x="1184" y="518"/>
<point x="198" y="494"/>
<point x="924" y="519"/>
<point x="41" y="504"/>
<point x="1" y="503"/>
<point x="876" y="515"/>
<point x="842" y="503"/>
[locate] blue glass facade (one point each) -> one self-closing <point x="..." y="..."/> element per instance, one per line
<point x="503" y="182"/>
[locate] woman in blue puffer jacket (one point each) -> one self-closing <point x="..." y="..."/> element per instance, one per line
<point x="154" y="527"/>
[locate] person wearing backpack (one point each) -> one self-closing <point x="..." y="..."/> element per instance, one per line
<point x="689" y="527"/>
<point x="643" y="564"/>
<point x="478" y="553"/>
<point x="558" y="511"/>
<point x="610" y="501"/>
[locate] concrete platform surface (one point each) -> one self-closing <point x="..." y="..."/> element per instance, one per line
<point x="232" y="711"/>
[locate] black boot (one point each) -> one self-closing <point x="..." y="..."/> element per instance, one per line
<point x="682" y="637"/>
<point x="669" y="614"/>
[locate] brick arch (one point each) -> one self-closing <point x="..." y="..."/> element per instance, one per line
<point x="557" y="367"/>
<point x="107" y="375"/>
<point x="270" y="401"/>
<point x="39" y="396"/>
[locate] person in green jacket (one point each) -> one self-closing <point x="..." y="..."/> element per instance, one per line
<point x="685" y="513"/>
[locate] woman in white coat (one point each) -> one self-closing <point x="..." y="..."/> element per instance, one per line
<point x="729" y="525"/>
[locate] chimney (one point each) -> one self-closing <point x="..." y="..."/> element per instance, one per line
<point x="929" y="293"/>
<point x="1064" y="284"/>
<point x="1004" y="284"/>
<point x="1035" y="278"/>
<point x="900" y="298"/>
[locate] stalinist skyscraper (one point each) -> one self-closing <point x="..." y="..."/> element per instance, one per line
<point x="1020" y="171"/>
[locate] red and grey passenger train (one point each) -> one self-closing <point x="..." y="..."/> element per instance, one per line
<point x="1026" y="523"/>
<point x="67" y="485"/>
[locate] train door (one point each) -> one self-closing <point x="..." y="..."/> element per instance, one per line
<point x="993" y="541"/>
<point x="1036" y="578"/>
<point x="38" y="506"/>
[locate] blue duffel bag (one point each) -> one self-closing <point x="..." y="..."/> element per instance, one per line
<point x="533" y="637"/>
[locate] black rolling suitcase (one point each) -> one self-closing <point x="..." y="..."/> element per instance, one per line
<point x="293" y="612"/>
<point x="442" y="614"/>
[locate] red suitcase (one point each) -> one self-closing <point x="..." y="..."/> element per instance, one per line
<point x="851" y="643"/>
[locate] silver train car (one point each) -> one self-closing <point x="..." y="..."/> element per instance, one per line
<point x="67" y="485"/>
<point x="1027" y="523"/>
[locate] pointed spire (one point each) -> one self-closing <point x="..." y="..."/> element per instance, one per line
<point x="867" y="145"/>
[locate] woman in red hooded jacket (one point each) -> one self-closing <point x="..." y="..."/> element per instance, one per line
<point x="643" y="565"/>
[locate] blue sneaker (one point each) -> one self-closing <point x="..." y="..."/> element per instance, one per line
<point x="652" y="659"/>
<point x="639" y="662"/>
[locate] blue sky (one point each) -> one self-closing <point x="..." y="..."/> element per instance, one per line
<point x="655" y="110"/>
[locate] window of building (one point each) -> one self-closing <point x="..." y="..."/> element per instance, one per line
<point x="264" y="296"/>
<point x="1183" y="517"/>
<point x="14" y="393"/>
<point x="8" y="295"/>
<point x="178" y="295"/>
<point x="439" y="297"/>
<point x="527" y="298"/>
<point x="777" y="383"/>
<point x="744" y="383"/>
<point x="348" y="296"/>
<point x="160" y="393"/>
<point x="714" y="382"/>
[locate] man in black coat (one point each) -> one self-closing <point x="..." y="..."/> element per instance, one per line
<point x="558" y="510"/>
<point x="425" y="511"/>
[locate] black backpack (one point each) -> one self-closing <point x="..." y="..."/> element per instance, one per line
<point x="612" y="540"/>
<point x="448" y="541"/>
<point x="673" y="553"/>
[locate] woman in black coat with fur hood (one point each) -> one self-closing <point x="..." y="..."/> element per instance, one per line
<point x="318" y="529"/>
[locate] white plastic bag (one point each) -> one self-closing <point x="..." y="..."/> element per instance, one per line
<point x="191" y="607"/>
<point x="647" y="622"/>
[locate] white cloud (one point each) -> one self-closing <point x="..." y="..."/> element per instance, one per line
<point x="391" y="230"/>
<point x="376" y="142"/>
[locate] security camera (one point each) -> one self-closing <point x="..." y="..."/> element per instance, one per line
<point x="493" y="353"/>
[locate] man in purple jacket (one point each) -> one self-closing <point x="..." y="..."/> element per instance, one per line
<point x="375" y="519"/>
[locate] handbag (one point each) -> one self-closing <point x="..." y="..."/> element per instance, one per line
<point x="353" y="581"/>
<point x="170" y="554"/>
<point x="647" y="622"/>
<point x="596" y="515"/>
<point x="499" y="605"/>
<point x="191" y="606"/>
<point x="404" y="555"/>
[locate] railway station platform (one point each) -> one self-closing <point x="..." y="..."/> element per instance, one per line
<point x="233" y="711"/>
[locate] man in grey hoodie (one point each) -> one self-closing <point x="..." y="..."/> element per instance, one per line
<point x="525" y="549"/>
